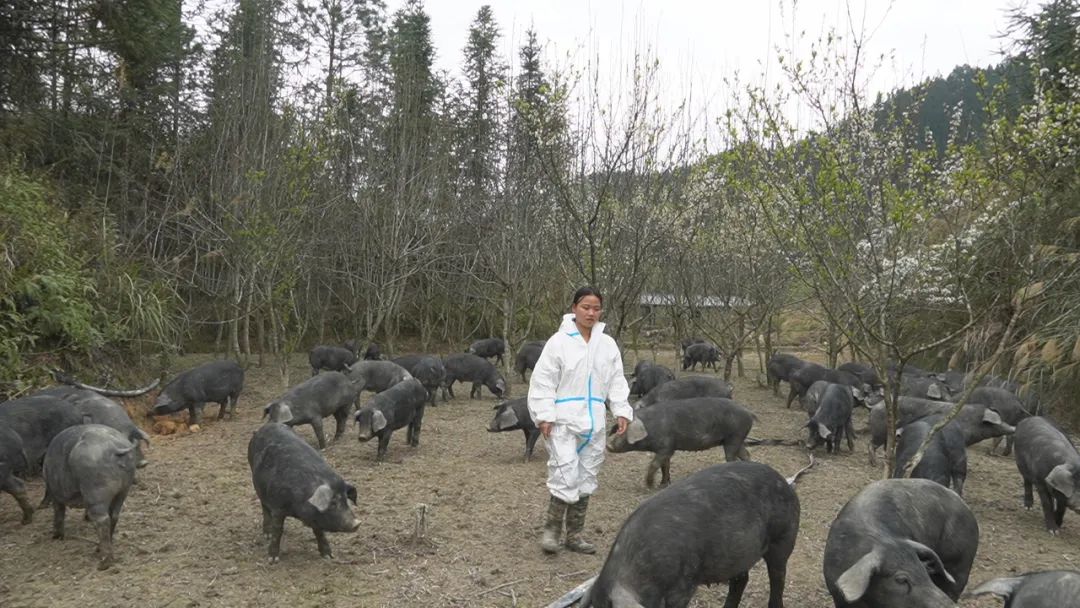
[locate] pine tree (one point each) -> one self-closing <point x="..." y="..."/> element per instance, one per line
<point x="482" y="138"/>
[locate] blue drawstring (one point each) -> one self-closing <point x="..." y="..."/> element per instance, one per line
<point x="588" y="404"/>
<point x="588" y="399"/>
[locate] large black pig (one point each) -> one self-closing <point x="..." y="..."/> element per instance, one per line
<point x="218" y="382"/>
<point x="706" y="529"/>
<point x="687" y="424"/>
<point x="292" y="479"/>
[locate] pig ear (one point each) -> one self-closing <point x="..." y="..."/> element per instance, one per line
<point x="266" y="411"/>
<point x="507" y="417"/>
<point x="1002" y="587"/>
<point x="930" y="560"/>
<point x="284" y="413"/>
<point x="855" y="580"/>
<point x="321" y="497"/>
<point x="991" y="416"/>
<point x="1061" y="479"/>
<point x="934" y="392"/>
<point x="636" y="431"/>
<point x="350" y="493"/>
<point x="379" y="421"/>
<point x="856" y="393"/>
<point x="823" y="431"/>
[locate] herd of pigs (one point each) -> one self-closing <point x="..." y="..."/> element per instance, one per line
<point x="909" y="541"/>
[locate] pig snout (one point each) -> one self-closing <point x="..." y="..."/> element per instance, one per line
<point x="347" y="521"/>
<point x="616" y="443"/>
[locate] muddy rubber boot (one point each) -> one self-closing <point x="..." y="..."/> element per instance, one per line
<point x="549" y="542"/>
<point x="575" y="523"/>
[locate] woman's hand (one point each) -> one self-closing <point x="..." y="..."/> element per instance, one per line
<point x="623" y="423"/>
<point x="545" y="429"/>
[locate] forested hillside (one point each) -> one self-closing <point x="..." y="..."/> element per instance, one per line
<point x="278" y="174"/>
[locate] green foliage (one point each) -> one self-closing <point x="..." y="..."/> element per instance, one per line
<point x="46" y="302"/>
<point x="61" y="300"/>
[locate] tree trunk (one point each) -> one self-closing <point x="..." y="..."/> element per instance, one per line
<point x="246" y="329"/>
<point x="260" y="328"/>
<point x="832" y="344"/>
<point x="507" y="327"/>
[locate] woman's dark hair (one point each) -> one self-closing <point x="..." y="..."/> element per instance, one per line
<point x="587" y="291"/>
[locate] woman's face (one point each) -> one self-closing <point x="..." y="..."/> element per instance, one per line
<point x="587" y="311"/>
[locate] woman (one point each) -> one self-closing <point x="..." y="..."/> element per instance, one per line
<point x="579" y="368"/>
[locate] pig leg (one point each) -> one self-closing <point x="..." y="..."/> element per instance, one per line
<point x="115" y="507"/>
<point x="849" y="432"/>
<point x="384" y="441"/>
<point x="195" y="414"/>
<point x="475" y="392"/>
<point x="1029" y="499"/>
<point x="664" y="462"/>
<point x="222" y="406"/>
<point x="736" y="586"/>
<point x="776" y="563"/>
<point x="341" y="417"/>
<point x="1008" y="446"/>
<point x="324" y="545"/>
<point x="871" y="451"/>
<point x="266" y="525"/>
<point x="277" y="526"/>
<point x="958" y="478"/>
<point x="665" y="472"/>
<point x="1047" y="502"/>
<point x="316" y="425"/>
<point x="650" y="472"/>
<point x="994" y="443"/>
<point x="232" y="405"/>
<point x="414" y="428"/>
<point x="58" y="520"/>
<point x="1059" y="509"/>
<point x="791" y="396"/>
<point x="530" y="443"/>
<point x="99" y="514"/>
<point x="17" y="488"/>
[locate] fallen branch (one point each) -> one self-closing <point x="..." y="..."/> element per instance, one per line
<point x="791" y="480"/>
<point x="64" y="378"/>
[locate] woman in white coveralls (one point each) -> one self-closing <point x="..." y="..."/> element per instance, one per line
<point x="579" y="368"/>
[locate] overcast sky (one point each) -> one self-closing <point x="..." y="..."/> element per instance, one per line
<point x="702" y="41"/>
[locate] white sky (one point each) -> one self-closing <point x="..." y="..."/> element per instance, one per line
<point x="700" y="42"/>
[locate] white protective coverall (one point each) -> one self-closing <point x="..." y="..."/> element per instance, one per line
<point x="569" y="385"/>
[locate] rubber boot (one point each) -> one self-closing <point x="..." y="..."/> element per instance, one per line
<point x="549" y="542"/>
<point x="575" y="523"/>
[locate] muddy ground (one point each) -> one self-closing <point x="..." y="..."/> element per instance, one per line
<point x="190" y="531"/>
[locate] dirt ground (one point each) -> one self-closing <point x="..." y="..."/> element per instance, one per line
<point x="190" y="531"/>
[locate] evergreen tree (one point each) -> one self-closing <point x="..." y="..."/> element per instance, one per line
<point x="482" y="139"/>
